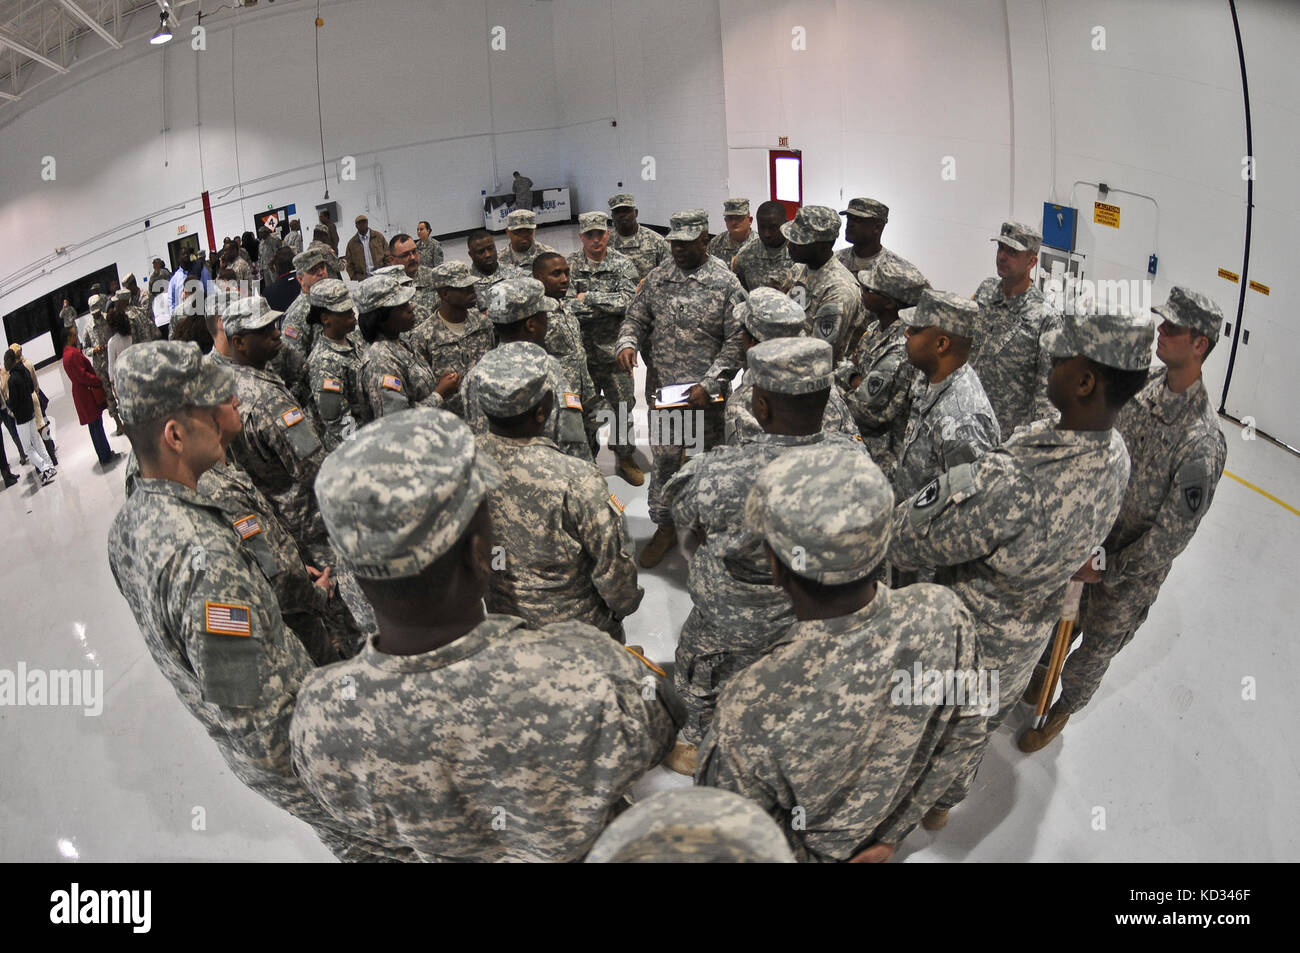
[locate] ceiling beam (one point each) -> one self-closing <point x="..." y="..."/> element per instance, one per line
<point x="9" y="97"/>
<point x="91" y="22"/>
<point x="31" y="54"/>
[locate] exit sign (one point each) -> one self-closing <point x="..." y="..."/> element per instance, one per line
<point x="783" y="142"/>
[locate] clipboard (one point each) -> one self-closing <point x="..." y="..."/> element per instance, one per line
<point x="674" y="395"/>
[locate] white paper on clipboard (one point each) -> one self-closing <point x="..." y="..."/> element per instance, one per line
<point x="672" y="395"/>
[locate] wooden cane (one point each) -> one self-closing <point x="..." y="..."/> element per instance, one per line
<point x="1060" y="647"/>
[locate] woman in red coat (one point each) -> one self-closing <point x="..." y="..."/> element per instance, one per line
<point x="87" y="395"/>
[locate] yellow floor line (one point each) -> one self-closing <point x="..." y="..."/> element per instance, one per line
<point x="1263" y="493"/>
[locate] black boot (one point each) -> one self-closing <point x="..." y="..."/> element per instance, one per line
<point x="9" y="477"/>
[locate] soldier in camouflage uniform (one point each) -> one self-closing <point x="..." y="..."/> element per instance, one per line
<point x="645" y="247"/>
<point x="684" y="317"/>
<point x="68" y="314"/>
<point x="395" y="378"/>
<point x="1009" y="530"/>
<point x="877" y="377"/>
<point x="456" y="334"/>
<point x="334" y="367"/>
<point x="564" y="340"/>
<point x="604" y="282"/>
<point x="484" y="265"/>
<point x="951" y="421"/>
<point x="864" y="221"/>
<point x="1009" y="356"/>
<point x="98" y="335"/>
<point x="766" y="315"/>
<point x="310" y="266"/>
<point x="739" y="231"/>
<point x="427" y="247"/>
<point x="207" y="614"/>
<point x="692" y="826"/>
<point x="738" y="610"/>
<point x="1178" y="453"/>
<point x="766" y="262"/>
<point x="523" y="247"/>
<point x="794" y="730"/>
<point x="464" y="736"/>
<point x="142" y="327"/>
<point x="520" y="310"/>
<point x="563" y="541"/>
<point x="404" y="255"/>
<point x="831" y="297"/>
<point x="281" y="445"/>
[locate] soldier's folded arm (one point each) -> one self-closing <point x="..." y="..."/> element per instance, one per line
<point x="614" y="302"/>
<point x="956" y="517"/>
<point x="600" y="528"/>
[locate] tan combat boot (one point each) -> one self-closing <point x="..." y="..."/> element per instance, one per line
<point x="664" y="539"/>
<point x="935" y="819"/>
<point x="626" y="468"/>
<point x="1035" y="739"/>
<point x="683" y="758"/>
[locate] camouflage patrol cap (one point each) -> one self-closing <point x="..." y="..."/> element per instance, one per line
<point x="770" y="314"/>
<point x="513" y="299"/>
<point x="692" y="825"/>
<point x="313" y="256"/>
<point x="1117" y="339"/>
<point x="735" y="207"/>
<point x="452" y="274"/>
<point x="896" y="279"/>
<point x="867" y="208"/>
<point x="812" y="223"/>
<point x="593" y="222"/>
<point x="947" y="312"/>
<point x="331" y="294"/>
<point x="382" y="291"/>
<point x="825" y="510"/>
<point x="513" y="379"/>
<point x="520" y="220"/>
<point x="1191" y="309"/>
<point x="791" y="365"/>
<point x="96" y="303"/>
<point x="402" y="491"/>
<point x="395" y="271"/>
<point x="121" y="295"/>
<point x="158" y="378"/>
<point x="622" y="200"/>
<point x="1019" y="236"/>
<point x="248" y="314"/>
<point x="687" y="225"/>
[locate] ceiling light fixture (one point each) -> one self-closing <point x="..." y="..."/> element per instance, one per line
<point x="164" y="32"/>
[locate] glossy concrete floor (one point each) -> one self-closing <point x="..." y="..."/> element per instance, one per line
<point x="1169" y="763"/>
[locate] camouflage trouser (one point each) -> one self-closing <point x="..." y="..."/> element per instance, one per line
<point x="669" y="458"/>
<point x="101" y="371"/>
<point x="1108" y="618"/>
<point x="614" y="385"/>
<point x="701" y="668"/>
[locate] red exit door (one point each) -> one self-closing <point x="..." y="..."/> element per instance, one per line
<point x="785" y="179"/>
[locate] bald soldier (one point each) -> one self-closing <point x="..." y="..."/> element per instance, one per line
<point x="739" y="230"/>
<point x="766" y="262"/>
<point x="456" y="334"/>
<point x="738" y="611"/>
<point x="1009" y="530"/>
<point x="769" y="314"/>
<point x="1010" y="356"/>
<point x="565" y="552"/>
<point x="878" y="378"/>
<point x="519" y="309"/>
<point x="951" y="421"/>
<point x="463" y="735"/>
<point x="831" y="297"/>
<point x="207" y="613"/>
<point x="1178" y="453"/>
<point x="827" y="732"/>
<point x="684" y="317"/>
<point x="604" y="282"/>
<point x="521" y="231"/>
<point x="692" y="826"/>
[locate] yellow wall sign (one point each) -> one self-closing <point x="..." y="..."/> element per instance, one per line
<point x="1256" y="286"/>
<point x="1104" y="214"/>
<point x="1229" y="275"/>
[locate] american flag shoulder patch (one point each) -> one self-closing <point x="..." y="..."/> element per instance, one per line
<point x="291" y="416"/>
<point x="392" y="383"/>
<point x="290" y="332"/>
<point x="222" y="618"/>
<point x="572" y="401"/>
<point x="332" y="384"/>
<point x="248" y="527"/>
<point x="618" y="504"/>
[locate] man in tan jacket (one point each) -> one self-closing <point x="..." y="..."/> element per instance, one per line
<point x="366" y="250"/>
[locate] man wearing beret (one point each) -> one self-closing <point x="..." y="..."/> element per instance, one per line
<point x="205" y="609"/>
<point x="1007" y="531"/>
<point x="830" y="295"/>
<point x="827" y="732"/>
<point x="462" y="735"/>
<point x="1178" y="452"/>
